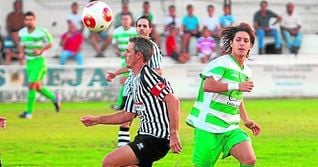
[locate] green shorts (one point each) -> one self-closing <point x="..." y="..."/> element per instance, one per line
<point x="36" y="69"/>
<point x="208" y="146"/>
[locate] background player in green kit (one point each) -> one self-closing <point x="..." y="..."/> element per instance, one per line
<point x="34" y="41"/>
<point x="120" y="39"/>
<point x="219" y="106"/>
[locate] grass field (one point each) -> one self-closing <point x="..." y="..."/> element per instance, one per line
<point x="289" y="135"/>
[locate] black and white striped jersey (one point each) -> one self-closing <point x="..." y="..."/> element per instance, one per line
<point x="147" y="94"/>
<point x="156" y="58"/>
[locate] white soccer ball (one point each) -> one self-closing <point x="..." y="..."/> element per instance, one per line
<point x="97" y="16"/>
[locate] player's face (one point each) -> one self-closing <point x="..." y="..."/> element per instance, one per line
<point x="131" y="55"/>
<point x="143" y="28"/>
<point x="241" y="44"/>
<point x="126" y="20"/>
<point x="29" y="21"/>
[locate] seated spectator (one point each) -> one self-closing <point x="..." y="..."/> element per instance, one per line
<point x="10" y="50"/>
<point x="171" y="20"/>
<point x="212" y="23"/>
<point x="290" y="28"/>
<point x="190" y="27"/>
<point x="172" y="47"/>
<point x="75" y="17"/>
<point x="262" y="27"/>
<point x="124" y="10"/>
<point x="227" y="19"/>
<point x="100" y="42"/>
<point x="14" y="22"/>
<point x="206" y="46"/>
<point x="71" y="42"/>
<point x="146" y="12"/>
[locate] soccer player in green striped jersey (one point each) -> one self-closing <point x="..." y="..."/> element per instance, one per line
<point x="34" y="41"/>
<point x="219" y="106"/>
<point x="120" y="39"/>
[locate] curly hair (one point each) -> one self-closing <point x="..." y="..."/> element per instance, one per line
<point x="228" y="34"/>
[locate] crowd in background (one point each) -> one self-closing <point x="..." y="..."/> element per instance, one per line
<point x="176" y="36"/>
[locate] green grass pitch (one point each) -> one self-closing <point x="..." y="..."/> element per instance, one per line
<point x="289" y="136"/>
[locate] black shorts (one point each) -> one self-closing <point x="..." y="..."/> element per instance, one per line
<point x="149" y="149"/>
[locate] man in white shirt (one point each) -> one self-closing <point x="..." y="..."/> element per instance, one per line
<point x="75" y="17"/>
<point x="171" y="20"/>
<point x="211" y="22"/>
<point x="290" y="27"/>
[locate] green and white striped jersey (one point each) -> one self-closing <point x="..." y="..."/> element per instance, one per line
<point x="219" y="112"/>
<point x="38" y="38"/>
<point x="121" y="38"/>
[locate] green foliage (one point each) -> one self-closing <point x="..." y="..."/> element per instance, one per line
<point x="289" y="135"/>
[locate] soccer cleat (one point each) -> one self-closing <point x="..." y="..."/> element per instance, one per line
<point x="57" y="103"/>
<point x="25" y="115"/>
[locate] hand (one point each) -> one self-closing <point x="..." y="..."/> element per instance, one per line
<point x="110" y="76"/>
<point x="37" y="52"/>
<point x="175" y="144"/>
<point x="246" y="86"/>
<point x="89" y="120"/>
<point x="20" y="55"/>
<point x="2" y="122"/>
<point x="256" y="129"/>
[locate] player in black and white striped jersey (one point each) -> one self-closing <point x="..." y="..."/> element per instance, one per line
<point x="155" y="105"/>
<point x="143" y="26"/>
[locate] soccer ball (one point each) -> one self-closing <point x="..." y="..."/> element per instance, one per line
<point x="97" y="16"/>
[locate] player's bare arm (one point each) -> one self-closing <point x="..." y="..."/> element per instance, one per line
<point x="255" y="128"/>
<point x="173" y="105"/>
<point x="211" y="85"/>
<point x="111" y="119"/>
<point x="111" y="75"/>
<point x="39" y="52"/>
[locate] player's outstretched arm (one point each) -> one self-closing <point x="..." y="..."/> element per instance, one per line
<point x="173" y="105"/>
<point x="111" y="119"/>
<point x="111" y="75"/>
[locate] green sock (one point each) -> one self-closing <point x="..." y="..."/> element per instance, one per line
<point x="120" y="96"/>
<point x="242" y="165"/>
<point x="47" y="93"/>
<point x="31" y="100"/>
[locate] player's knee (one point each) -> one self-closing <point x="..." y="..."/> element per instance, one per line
<point x="251" y="160"/>
<point x="107" y="162"/>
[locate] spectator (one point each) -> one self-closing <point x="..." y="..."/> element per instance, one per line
<point x="124" y="10"/>
<point x="172" y="49"/>
<point x="71" y="42"/>
<point x="146" y="12"/>
<point x="290" y="27"/>
<point x="227" y="19"/>
<point x="190" y="27"/>
<point x="206" y="46"/>
<point x="14" y="22"/>
<point x="212" y="23"/>
<point x="262" y="27"/>
<point x="75" y="18"/>
<point x="171" y="20"/>
<point x="100" y="42"/>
